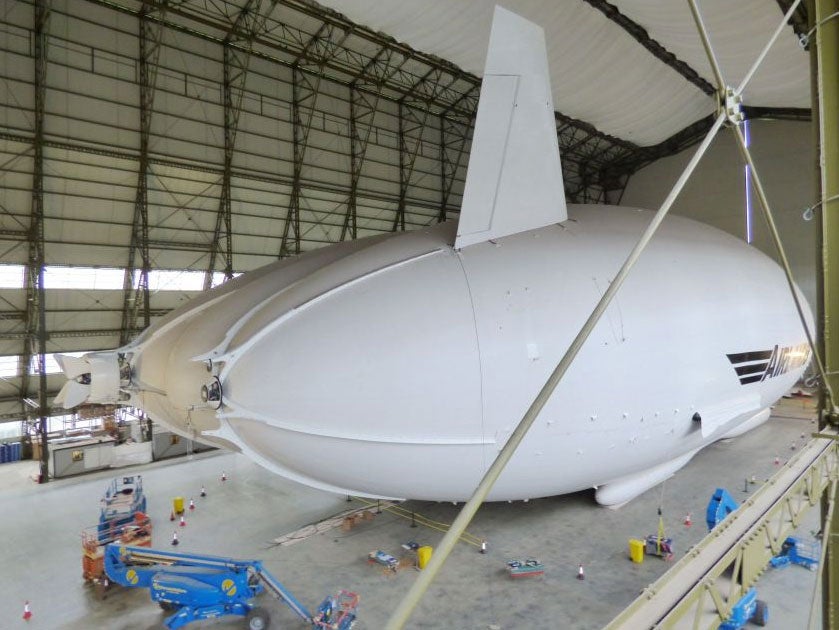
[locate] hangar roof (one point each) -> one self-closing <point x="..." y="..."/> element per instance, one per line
<point x="601" y="73"/>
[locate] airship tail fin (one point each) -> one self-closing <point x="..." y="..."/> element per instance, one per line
<point x="514" y="177"/>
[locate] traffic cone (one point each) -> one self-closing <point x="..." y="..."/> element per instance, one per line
<point x="581" y="575"/>
<point x="688" y="522"/>
<point x="172" y="515"/>
<point x="777" y="460"/>
<point x="483" y="546"/>
<point x="203" y="492"/>
<point x="174" y="538"/>
<point x="27" y="613"/>
<point x="793" y="446"/>
<point x="191" y="504"/>
<point x="183" y="522"/>
<point x="223" y="476"/>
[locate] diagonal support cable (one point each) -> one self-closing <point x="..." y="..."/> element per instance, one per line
<point x="706" y="44"/>
<point x="731" y="97"/>
<point x="781" y="26"/>
<point x="403" y="611"/>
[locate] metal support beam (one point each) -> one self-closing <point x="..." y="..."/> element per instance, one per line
<point x="305" y="87"/>
<point x="700" y="590"/>
<point x="136" y="285"/>
<point x="64" y="334"/>
<point x="640" y="34"/>
<point x="412" y="123"/>
<point x="826" y="105"/>
<point x="237" y="47"/>
<point x="363" y="107"/>
<point x="35" y="336"/>
<point x="454" y="136"/>
<point x="365" y="96"/>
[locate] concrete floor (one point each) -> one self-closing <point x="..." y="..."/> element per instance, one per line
<point x="242" y="516"/>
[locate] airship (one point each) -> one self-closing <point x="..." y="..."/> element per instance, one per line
<point x="397" y="366"/>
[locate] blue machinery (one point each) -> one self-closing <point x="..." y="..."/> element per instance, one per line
<point x="721" y="505"/>
<point x="204" y="587"/>
<point x="748" y="608"/>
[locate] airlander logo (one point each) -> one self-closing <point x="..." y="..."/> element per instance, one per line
<point x="760" y="365"/>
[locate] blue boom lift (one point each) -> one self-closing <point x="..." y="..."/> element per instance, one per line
<point x="749" y="608"/>
<point x="204" y="587"/>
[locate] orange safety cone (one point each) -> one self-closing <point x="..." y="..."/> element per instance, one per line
<point x="688" y="522"/>
<point x="172" y="515"/>
<point x="191" y="504"/>
<point x="174" y="538"/>
<point x="27" y="613"/>
<point x="777" y="460"/>
<point x="223" y="476"/>
<point x="203" y="492"/>
<point x="183" y="522"/>
<point x="581" y="575"/>
<point x="483" y="546"/>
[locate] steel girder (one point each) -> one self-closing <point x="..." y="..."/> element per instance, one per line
<point x="35" y="335"/>
<point x="639" y="33"/>
<point x="306" y="80"/>
<point x="345" y="53"/>
<point x="249" y="24"/>
<point x="825" y="26"/>
<point x="136" y="287"/>
<point x="412" y="123"/>
<point x="455" y="132"/>
<point x="364" y="97"/>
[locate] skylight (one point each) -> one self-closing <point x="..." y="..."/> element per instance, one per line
<point x="11" y="276"/>
<point x="107" y="278"/>
<point x="8" y="366"/>
<point x="161" y="280"/>
<point x="96" y="278"/>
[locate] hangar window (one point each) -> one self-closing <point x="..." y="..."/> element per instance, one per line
<point x="8" y="366"/>
<point x="164" y="280"/>
<point x="50" y="364"/>
<point x="97" y="278"/>
<point x="11" y="276"/>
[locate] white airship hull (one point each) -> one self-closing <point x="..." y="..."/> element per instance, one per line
<point x="400" y="368"/>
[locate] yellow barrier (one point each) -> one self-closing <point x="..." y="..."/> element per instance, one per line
<point x="636" y="550"/>
<point x="423" y="556"/>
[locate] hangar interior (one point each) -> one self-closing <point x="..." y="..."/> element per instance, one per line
<point x="154" y="149"/>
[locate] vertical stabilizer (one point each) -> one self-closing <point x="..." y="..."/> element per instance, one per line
<point x="514" y="178"/>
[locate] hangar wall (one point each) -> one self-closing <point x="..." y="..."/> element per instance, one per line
<point x="358" y="163"/>
<point x="784" y="155"/>
<point x="92" y="115"/>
